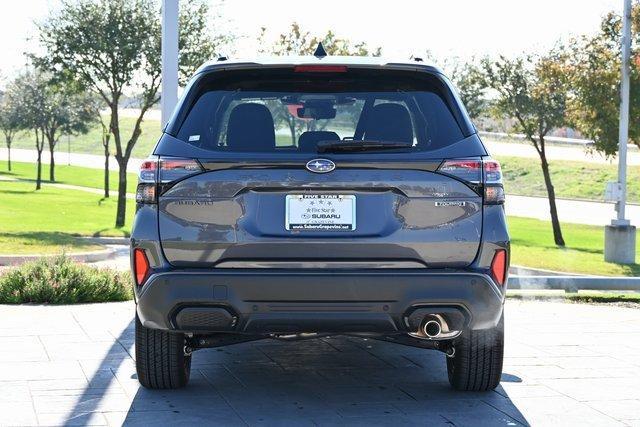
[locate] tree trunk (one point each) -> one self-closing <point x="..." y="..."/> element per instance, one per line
<point x="39" y="147"/>
<point x="122" y="191"/>
<point x="551" y="193"/>
<point x="39" y="171"/>
<point x="106" y="170"/>
<point x="52" y="164"/>
<point x="292" y="129"/>
<point x="9" y="153"/>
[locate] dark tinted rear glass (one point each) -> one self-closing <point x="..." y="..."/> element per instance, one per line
<point x="271" y="111"/>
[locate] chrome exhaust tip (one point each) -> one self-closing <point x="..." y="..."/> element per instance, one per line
<point x="432" y="328"/>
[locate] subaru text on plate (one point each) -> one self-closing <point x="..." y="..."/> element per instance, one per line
<point x="299" y="197"/>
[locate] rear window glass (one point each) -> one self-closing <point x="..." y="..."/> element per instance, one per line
<point x="280" y="111"/>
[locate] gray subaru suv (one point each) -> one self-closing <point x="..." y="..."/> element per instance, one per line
<point x="300" y="197"/>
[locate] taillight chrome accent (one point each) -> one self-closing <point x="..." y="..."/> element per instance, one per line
<point x="499" y="266"/>
<point x="140" y="266"/>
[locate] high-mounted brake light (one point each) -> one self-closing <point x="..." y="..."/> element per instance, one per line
<point x="320" y="69"/>
<point x="499" y="266"/>
<point x="140" y="266"/>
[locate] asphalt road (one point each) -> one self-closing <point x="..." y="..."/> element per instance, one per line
<point x="565" y="364"/>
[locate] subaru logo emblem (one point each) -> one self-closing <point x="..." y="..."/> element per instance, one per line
<point x="320" y="165"/>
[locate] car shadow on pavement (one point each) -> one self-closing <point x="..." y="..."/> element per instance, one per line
<point x="328" y="381"/>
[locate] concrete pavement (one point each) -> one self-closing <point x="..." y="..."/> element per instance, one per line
<point x="565" y="364"/>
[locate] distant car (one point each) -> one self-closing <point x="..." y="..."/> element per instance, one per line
<point x="299" y="197"/>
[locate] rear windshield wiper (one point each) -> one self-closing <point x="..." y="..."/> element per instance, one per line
<point x="353" y="145"/>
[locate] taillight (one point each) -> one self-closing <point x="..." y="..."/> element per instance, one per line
<point x="479" y="174"/>
<point x="467" y="170"/>
<point x="493" y="188"/>
<point x="140" y="266"/>
<point x="156" y="175"/>
<point x="146" y="191"/>
<point x="499" y="266"/>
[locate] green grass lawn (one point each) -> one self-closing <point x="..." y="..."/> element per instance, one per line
<point x="74" y="175"/>
<point x="532" y="246"/>
<point x="91" y="143"/>
<point x="575" y="180"/>
<point x="47" y="220"/>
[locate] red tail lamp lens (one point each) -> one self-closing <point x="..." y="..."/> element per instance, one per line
<point x="499" y="266"/>
<point x="141" y="266"/>
<point x="466" y="170"/>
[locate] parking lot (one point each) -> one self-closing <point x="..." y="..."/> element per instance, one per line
<point x="565" y="364"/>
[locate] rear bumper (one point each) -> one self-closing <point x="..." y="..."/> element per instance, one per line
<point x="333" y="301"/>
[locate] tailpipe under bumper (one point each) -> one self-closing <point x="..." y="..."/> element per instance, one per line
<point x="436" y="323"/>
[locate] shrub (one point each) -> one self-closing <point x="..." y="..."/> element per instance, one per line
<point x="62" y="281"/>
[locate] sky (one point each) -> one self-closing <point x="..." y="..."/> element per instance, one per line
<point x="463" y="28"/>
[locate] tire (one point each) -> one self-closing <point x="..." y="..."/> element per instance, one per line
<point x="160" y="359"/>
<point x="477" y="361"/>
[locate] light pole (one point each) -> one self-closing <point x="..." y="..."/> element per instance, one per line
<point x="169" y="94"/>
<point x="620" y="236"/>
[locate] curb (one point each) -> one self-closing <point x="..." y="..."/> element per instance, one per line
<point x="575" y="283"/>
<point x="108" y="240"/>
<point x="520" y="271"/>
<point x="91" y="256"/>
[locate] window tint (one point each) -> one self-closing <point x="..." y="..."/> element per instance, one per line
<point x="292" y="113"/>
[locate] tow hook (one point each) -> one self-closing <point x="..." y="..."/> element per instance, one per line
<point x="188" y="350"/>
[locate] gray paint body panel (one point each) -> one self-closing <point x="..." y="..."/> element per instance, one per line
<point x="240" y="215"/>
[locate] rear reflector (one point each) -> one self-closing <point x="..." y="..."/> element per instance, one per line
<point x="140" y="266"/>
<point x="499" y="266"/>
<point x="320" y="69"/>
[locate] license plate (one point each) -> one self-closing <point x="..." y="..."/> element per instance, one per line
<point x="320" y="212"/>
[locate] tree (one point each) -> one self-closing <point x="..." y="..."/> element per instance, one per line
<point x="65" y="112"/>
<point x="467" y="78"/>
<point x="300" y="42"/>
<point x="105" y="139"/>
<point x="32" y="88"/>
<point x="594" y="66"/>
<point x="532" y="90"/>
<point x="9" y="118"/>
<point x="113" y="46"/>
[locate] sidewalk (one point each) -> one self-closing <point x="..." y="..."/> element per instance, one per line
<point x="73" y="159"/>
<point x="73" y="365"/>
